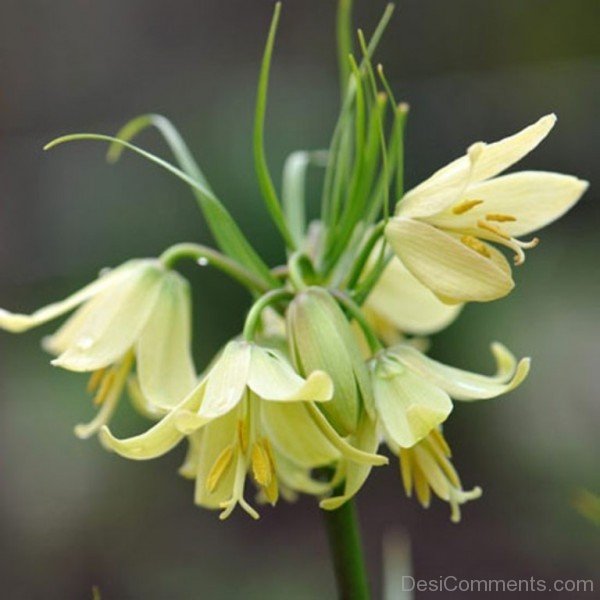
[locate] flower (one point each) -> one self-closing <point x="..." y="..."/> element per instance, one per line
<point x="399" y="303"/>
<point x="413" y="398"/>
<point x="250" y="413"/>
<point x="320" y="337"/>
<point x="426" y="467"/>
<point x="442" y="228"/>
<point x="138" y="312"/>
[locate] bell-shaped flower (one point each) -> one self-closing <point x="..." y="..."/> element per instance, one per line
<point x="251" y="413"/>
<point x="320" y="337"/>
<point x="138" y="312"/>
<point x="444" y="228"/>
<point x="413" y="398"/>
<point x="426" y="467"/>
<point x="400" y="304"/>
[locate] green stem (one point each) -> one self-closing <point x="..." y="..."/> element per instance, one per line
<point x="355" y="313"/>
<point x="253" y="318"/>
<point x="346" y="551"/>
<point x="206" y="255"/>
<point x="365" y="253"/>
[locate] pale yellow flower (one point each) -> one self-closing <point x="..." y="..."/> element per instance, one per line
<point x="413" y="397"/>
<point x="251" y="413"/>
<point x="442" y="228"/>
<point x="138" y="312"/>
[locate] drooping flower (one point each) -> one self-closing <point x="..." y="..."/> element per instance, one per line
<point x="320" y="337"/>
<point x="251" y="413"/>
<point x="443" y="228"/>
<point x="138" y="312"/>
<point x="413" y="398"/>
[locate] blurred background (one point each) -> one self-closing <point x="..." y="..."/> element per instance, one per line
<point x="72" y="515"/>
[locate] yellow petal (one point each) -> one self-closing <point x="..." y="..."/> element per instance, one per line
<point x="295" y="435"/>
<point x="464" y="385"/>
<point x="17" y="323"/>
<point x="405" y="302"/>
<point x="481" y="162"/>
<point x="158" y="440"/>
<point x="165" y="368"/>
<point x="116" y="322"/>
<point x="367" y="440"/>
<point x="409" y="406"/>
<point x="445" y="265"/>
<point x="533" y="198"/>
<point x="271" y="377"/>
<point x="227" y="380"/>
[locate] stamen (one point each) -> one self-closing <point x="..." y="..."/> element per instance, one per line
<point x="262" y="468"/>
<point x="501" y="218"/>
<point x="465" y="205"/>
<point x="218" y="469"/>
<point x="493" y="229"/>
<point x="94" y="380"/>
<point x="104" y="388"/>
<point x="475" y="244"/>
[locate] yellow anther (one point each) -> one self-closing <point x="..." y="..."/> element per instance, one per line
<point x="262" y="465"/>
<point x="218" y="469"/>
<point x="475" y="244"/>
<point x="242" y="429"/>
<point x="94" y="380"/>
<point x="104" y="388"/>
<point x="500" y="218"/>
<point x="493" y="229"/>
<point x="465" y="205"/>
<point x="272" y="491"/>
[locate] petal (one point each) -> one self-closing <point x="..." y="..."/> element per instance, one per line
<point x="405" y="302"/>
<point x="367" y="440"/>
<point x="17" y="323"/>
<point x="273" y="378"/>
<point x="464" y="385"/>
<point x="409" y="405"/>
<point x="446" y="266"/>
<point x="534" y="198"/>
<point x="227" y="380"/>
<point x="481" y="162"/>
<point x="216" y="437"/>
<point x="165" y="367"/>
<point x="158" y="440"/>
<point x="297" y="478"/>
<point x="295" y="435"/>
<point x="189" y="467"/>
<point x="115" y="323"/>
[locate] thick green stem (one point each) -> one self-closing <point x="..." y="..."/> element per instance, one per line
<point x="346" y="552"/>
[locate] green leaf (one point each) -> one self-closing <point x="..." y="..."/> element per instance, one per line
<point x="260" y="161"/>
<point x="225" y="230"/>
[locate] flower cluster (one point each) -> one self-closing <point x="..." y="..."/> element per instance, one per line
<point x="331" y="362"/>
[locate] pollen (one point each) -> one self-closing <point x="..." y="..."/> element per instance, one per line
<point x="500" y="218"/>
<point x="465" y="205"/>
<point x="219" y="468"/>
<point x="493" y="229"/>
<point x="475" y="244"/>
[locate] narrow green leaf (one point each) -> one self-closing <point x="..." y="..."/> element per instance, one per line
<point x="225" y="230"/>
<point x="344" y="41"/>
<point x="260" y="160"/>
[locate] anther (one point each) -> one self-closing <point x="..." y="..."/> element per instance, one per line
<point x="475" y="244"/>
<point x="465" y="205"/>
<point x="500" y="218"/>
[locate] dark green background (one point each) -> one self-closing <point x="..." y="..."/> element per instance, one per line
<point x="72" y="515"/>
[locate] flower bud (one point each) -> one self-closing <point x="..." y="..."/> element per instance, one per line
<point x="320" y="338"/>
